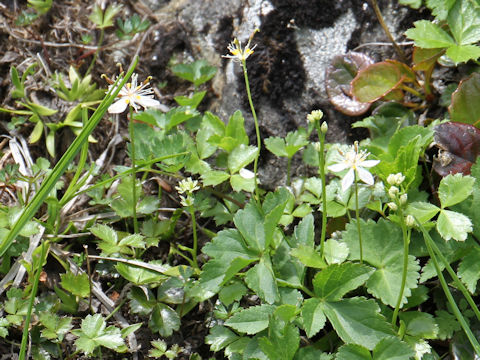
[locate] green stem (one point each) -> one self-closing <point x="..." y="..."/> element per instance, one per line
<point x="412" y="91"/>
<point x="99" y="45"/>
<point x="195" y="239"/>
<point x="257" y="129"/>
<point x="26" y="328"/>
<point x="357" y="215"/>
<point x="289" y="168"/>
<point x="456" y="280"/>
<point x="321" y="170"/>
<point x="406" y="241"/>
<point x="384" y="26"/>
<point x="134" y="177"/>
<point x="471" y="337"/>
<point x="299" y="287"/>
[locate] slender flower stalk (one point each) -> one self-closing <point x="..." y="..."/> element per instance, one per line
<point x="134" y="96"/>
<point x="134" y="175"/>
<point x="188" y="187"/>
<point x="356" y="162"/>
<point x="240" y="55"/>
<point x="315" y="117"/>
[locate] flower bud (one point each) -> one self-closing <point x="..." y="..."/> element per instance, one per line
<point x="393" y="191"/>
<point x="409" y="220"/>
<point x="324" y="127"/>
<point x="392" y="206"/>
<point x="403" y="199"/>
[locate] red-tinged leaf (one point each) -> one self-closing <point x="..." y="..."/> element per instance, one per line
<point x="465" y="106"/>
<point x="340" y="73"/>
<point x="425" y="59"/>
<point x="376" y="81"/>
<point x="459" y="145"/>
<point x="404" y="70"/>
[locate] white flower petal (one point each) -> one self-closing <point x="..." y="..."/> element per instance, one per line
<point x="369" y="163"/>
<point x="246" y="174"/>
<point x="118" y="106"/>
<point x="347" y="180"/>
<point x="365" y="176"/>
<point x="338" y="167"/>
<point x="147" y="102"/>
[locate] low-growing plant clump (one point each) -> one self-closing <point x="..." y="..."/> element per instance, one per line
<point x="374" y="254"/>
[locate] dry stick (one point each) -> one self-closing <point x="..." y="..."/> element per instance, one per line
<point x="384" y="26"/>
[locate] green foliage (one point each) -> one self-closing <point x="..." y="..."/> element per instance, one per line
<point x="103" y="19"/>
<point x="198" y="72"/>
<point x="94" y="333"/>
<point x="131" y="26"/>
<point x="463" y="21"/>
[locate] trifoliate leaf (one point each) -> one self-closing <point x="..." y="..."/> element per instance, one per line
<point x="454" y="189"/>
<point x="451" y="224"/>
<point x="251" y="320"/>
<point x="383" y="249"/>
<point x="333" y="282"/>
<point x="358" y="321"/>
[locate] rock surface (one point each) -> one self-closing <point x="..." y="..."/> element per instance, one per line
<point x="296" y="42"/>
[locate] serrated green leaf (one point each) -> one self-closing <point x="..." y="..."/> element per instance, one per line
<point x="240" y="183"/>
<point x="93" y="333"/>
<point x="358" y="321"/>
<point x="419" y="324"/>
<point x="138" y="275"/>
<point x="262" y="281"/>
<point x="308" y="256"/>
<point x="463" y="53"/>
<point x="392" y="348"/>
<point x="164" y="320"/>
<point x="423" y="211"/>
<point x="333" y="282"/>
<point x="240" y="157"/>
<point x="282" y="342"/>
<point x="353" y="352"/>
<point x="276" y="145"/>
<point x="313" y="317"/>
<point x="220" y="337"/>
<point x="464" y="21"/>
<point x="428" y="35"/>
<point x="454" y="189"/>
<point x="249" y="222"/>
<point x="469" y="269"/>
<point x="217" y="272"/>
<point x="78" y="285"/>
<point x="453" y="225"/>
<point x="440" y="8"/>
<point x="228" y="245"/>
<point x="385" y="282"/>
<point x="304" y="232"/>
<point x="231" y="293"/>
<point x="335" y="252"/>
<point x="447" y="324"/>
<point x="251" y="320"/>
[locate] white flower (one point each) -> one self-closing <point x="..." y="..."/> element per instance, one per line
<point x="187" y="186"/>
<point x="135" y="95"/>
<point x="395" y="179"/>
<point x="355" y="161"/>
<point x="315" y="115"/>
<point x="237" y="53"/>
